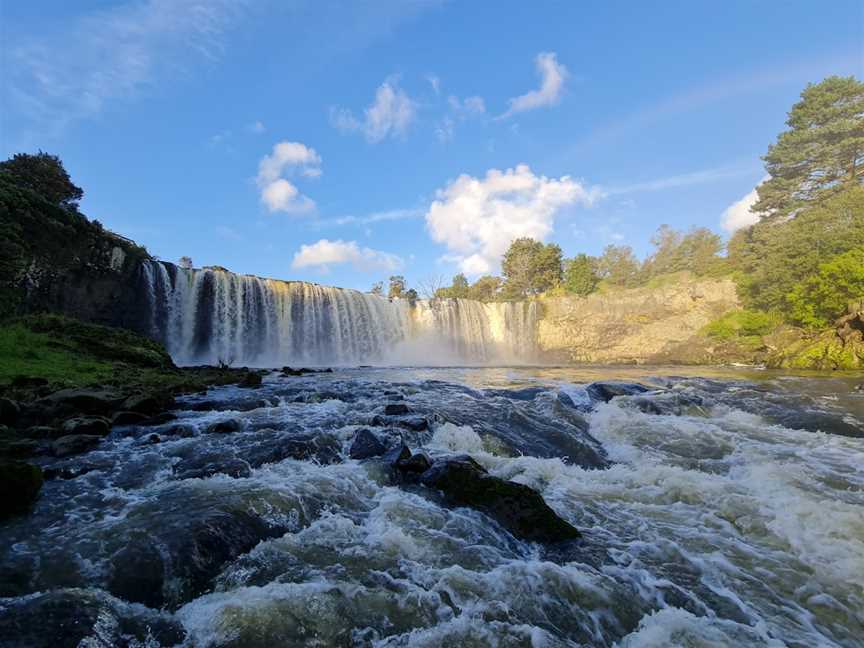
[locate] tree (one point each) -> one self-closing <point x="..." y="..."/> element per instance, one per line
<point x="580" y="277"/>
<point x="45" y="175"/>
<point x="821" y="153"/>
<point x="697" y="251"/>
<point x="397" y="287"/>
<point x="822" y="298"/>
<point x="185" y="262"/>
<point x="485" y="289"/>
<point x="530" y="267"/>
<point x="667" y="251"/>
<point x="411" y="295"/>
<point x="618" y="265"/>
<point x="378" y="288"/>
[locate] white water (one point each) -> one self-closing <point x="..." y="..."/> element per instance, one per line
<point x="210" y="316"/>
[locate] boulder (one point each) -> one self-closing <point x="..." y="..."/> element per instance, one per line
<point x="224" y="427"/>
<point x="160" y="419"/>
<point x="366" y="445"/>
<point x="85" y="401"/>
<point x="20" y="448"/>
<point x="517" y="507"/>
<point x="74" y="444"/>
<point x="172" y="564"/>
<point x="82" y="617"/>
<point x="417" y="463"/>
<point x="129" y="418"/>
<point x="182" y="430"/>
<point x="204" y="467"/>
<point x="322" y="448"/>
<point x="606" y="391"/>
<point x="148" y="404"/>
<point x="43" y="432"/>
<point x="250" y="380"/>
<point x="9" y="411"/>
<point x="20" y="484"/>
<point x="95" y="425"/>
<point x="396" y="409"/>
<point x="396" y="454"/>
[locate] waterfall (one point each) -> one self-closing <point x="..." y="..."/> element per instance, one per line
<point x="207" y="316"/>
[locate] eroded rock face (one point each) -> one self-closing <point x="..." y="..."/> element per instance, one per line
<point x="518" y="508"/>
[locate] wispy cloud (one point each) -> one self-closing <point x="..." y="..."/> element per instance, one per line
<point x="389" y="115"/>
<point x="459" y="110"/>
<point x="552" y="77"/>
<point x="369" y="219"/>
<point x="683" y="180"/>
<point x="325" y="253"/>
<point x="112" y="54"/>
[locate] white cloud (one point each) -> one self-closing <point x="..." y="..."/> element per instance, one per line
<point x="683" y="180"/>
<point x="374" y="217"/>
<point x="477" y="219"/>
<point x="552" y="75"/>
<point x="389" y="115"/>
<point x="257" y="127"/>
<point x="435" y="82"/>
<point x="113" y="54"/>
<point x="277" y="193"/>
<point x="326" y="253"/>
<point x="738" y="215"/>
<point x="460" y="110"/>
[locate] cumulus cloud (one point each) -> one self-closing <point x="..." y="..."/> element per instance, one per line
<point x="326" y="253"/>
<point x="552" y="76"/>
<point x="738" y="215"/>
<point x="278" y="193"/>
<point x="478" y="218"/>
<point x="389" y="115"/>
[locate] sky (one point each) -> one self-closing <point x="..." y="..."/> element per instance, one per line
<point x="344" y="142"/>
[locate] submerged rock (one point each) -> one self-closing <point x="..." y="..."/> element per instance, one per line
<point x="172" y="564"/>
<point x="225" y="427"/>
<point x="517" y="507"/>
<point x="203" y="467"/>
<point x="80" y="617"/>
<point x="250" y="380"/>
<point x="606" y="391"/>
<point x="322" y="448"/>
<point x="20" y="484"/>
<point x="129" y="418"/>
<point x="366" y="445"/>
<point x="396" y="409"/>
<point x="74" y="444"/>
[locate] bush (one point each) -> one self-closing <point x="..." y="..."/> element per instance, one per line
<point x="741" y="324"/>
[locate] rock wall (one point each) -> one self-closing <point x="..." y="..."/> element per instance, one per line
<point x="638" y="325"/>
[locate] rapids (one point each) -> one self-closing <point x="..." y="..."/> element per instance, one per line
<point x="716" y="511"/>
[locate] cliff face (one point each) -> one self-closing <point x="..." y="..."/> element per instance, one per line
<point x="55" y="260"/>
<point x="638" y="325"/>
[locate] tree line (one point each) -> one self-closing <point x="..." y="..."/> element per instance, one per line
<point x="802" y="261"/>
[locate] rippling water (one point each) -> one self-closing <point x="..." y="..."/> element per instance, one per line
<point x="729" y="511"/>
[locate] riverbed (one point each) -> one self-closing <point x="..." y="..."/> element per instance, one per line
<point x="717" y="507"/>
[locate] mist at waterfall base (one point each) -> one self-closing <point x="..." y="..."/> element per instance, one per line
<point x="208" y="316"/>
<point x="729" y="512"/>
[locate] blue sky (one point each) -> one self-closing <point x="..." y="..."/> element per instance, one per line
<point x="410" y="137"/>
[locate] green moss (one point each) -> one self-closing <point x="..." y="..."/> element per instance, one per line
<point x="824" y="352"/>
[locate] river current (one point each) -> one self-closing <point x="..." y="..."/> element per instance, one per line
<point x="718" y="508"/>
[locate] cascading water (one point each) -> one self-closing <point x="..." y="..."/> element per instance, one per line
<point x="211" y="315"/>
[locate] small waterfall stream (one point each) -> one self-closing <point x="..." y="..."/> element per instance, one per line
<point x="210" y="315"/>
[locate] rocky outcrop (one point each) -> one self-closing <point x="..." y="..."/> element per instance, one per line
<point x="638" y="325"/>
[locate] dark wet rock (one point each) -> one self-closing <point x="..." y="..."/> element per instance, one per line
<point x="526" y="394"/>
<point x="128" y="418"/>
<point x="160" y="419"/>
<point x="95" y="425"/>
<point x="43" y="432"/>
<point x="396" y="409"/>
<point x="9" y="411"/>
<point x="28" y="382"/>
<point x="172" y="564"/>
<point x="288" y="371"/>
<point x="149" y="404"/>
<point x="85" y="401"/>
<point x="68" y="472"/>
<point x="182" y="430"/>
<point x="366" y="445"/>
<point x="74" y="618"/>
<point x="250" y="380"/>
<point x="396" y="454"/>
<point x="21" y="448"/>
<point x="224" y="427"/>
<point x="322" y="448"/>
<point x="413" y="423"/>
<point x="606" y="391"/>
<point x="150" y="439"/>
<point x="236" y="405"/>
<point x="518" y="508"/>
<point x="419" y="462"/>
<point x="20" y="484"/>
<point x="204" y="467"/>
<point x="74" y="444"/>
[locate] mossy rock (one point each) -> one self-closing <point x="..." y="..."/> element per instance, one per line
<point x="20" y="484"/>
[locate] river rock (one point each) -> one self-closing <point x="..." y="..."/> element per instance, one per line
<point x="86" y="401"/>
<point x="182" y="430"/>
<point x="74" y="444"/>
<point x="172" y="564"/>
<point x="80" y="617"/>
<point x="9" y="411"/>
<point x="43" y="432"/>
<point x="20" y="484"/>
<point x="204" y="467"/>
<point x="225" y="427"/>
<point x="250" y="380"/>
<point x="20" y="448"/>
<point x="129" y="418"/>
<point x="517" y="507"/>
<point x="322" y="448"/>
<point x="606" y="391"/>
<point x="396" y="409"/>
<point x="149" y="404"/>
<point x="366" y="445"/>
<point x="419" y="462"/>
<point x="95" y="425"/>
